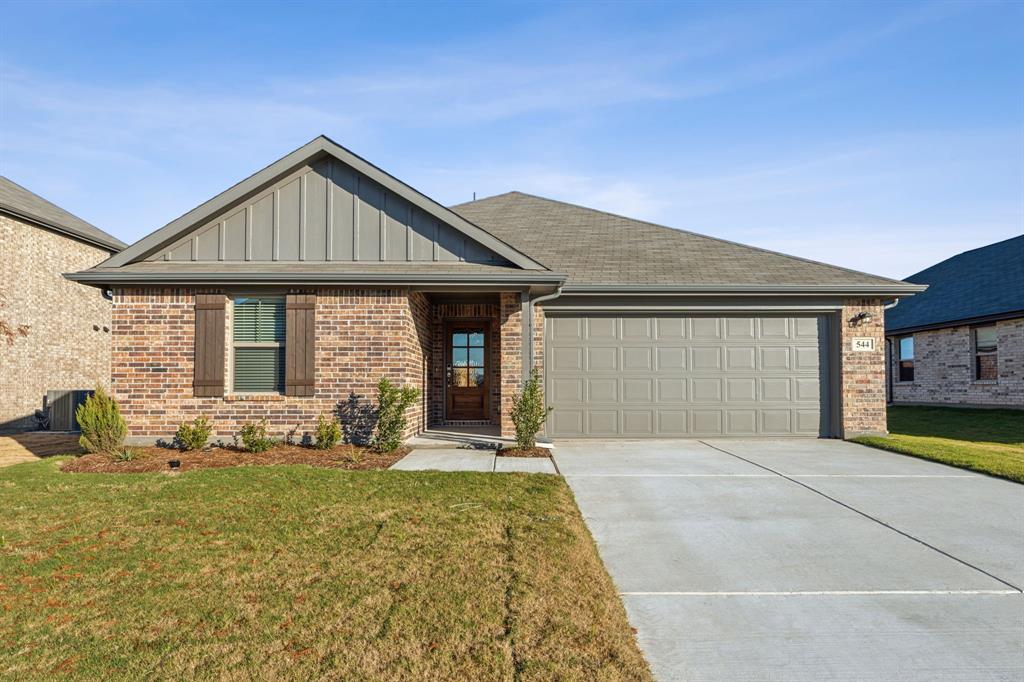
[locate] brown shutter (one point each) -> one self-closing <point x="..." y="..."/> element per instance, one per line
<point x="300" y="344"/>
<point x="209" y="372"/>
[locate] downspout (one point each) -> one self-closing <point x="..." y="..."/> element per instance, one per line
<point x="889" y="397"/>
<point x="528" y="304"/>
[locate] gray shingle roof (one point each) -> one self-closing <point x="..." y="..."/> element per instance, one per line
<point x="19" y="201"/>
<point x="598" y="248"/>
<point x="984" y="282"/>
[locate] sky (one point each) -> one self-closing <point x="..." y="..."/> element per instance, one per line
<point x="882" y="137"/>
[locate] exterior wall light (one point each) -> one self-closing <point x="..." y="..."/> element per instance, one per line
<point x="861" y="318"/>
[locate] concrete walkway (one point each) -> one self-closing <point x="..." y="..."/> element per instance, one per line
<point x="806" y="560"/>
<point x="467" y="459"/>
<point x="34" y="445"/>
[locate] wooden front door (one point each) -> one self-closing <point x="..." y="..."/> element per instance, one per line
<point x="467" y="370"/>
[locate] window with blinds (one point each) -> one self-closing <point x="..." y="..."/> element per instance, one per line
<point x="258" y="335"/>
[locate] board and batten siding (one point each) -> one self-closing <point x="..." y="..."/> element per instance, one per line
<point x="326" y="211"/>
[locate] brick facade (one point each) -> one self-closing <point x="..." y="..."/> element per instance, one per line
<point x="68" y="341"/>
<point x="361" y="336"/>
<point x="862" y="373"/>
<point x="944" y="368"/>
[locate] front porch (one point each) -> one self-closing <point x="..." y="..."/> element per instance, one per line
<point x="474" y="364"/>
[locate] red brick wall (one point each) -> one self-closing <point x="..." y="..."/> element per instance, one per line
<point x="361" y="336"/>
<point x="862" y="376"/>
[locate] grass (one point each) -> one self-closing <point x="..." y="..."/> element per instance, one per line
<point x="988" y="441"/>
<point x="291" y="572"/>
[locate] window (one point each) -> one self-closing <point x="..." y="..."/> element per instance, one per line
<point x="468" y="367"/>
<point x="906" y="358"/>
<point x="258" y="344"/>
<point x="986" y="364"/>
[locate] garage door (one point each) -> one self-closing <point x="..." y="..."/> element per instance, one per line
<point x="668" y="376"/>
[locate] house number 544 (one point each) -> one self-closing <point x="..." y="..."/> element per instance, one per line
<point x="863" y="343"/>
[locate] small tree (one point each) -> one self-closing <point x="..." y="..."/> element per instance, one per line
<point x="392" y="402"/>
<point x="193" y="435"/>
<point x="528" y="412"/>
<point x="103" y="427"/>
<point x="254" y="436"/>
<point x="328" y="432"/>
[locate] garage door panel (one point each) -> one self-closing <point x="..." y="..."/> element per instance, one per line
<point x="670" y="359"/>
<point x="599" y="328"/>
<point x="742" y="358"/>
<point x="706" y="358"/>
<point x="695" y="376"/>
<point x="706" y="390"/>
<point x="672" y="391"/>
<point x="603" y="422"/>
<point x="637" y="391"/>
<point x="603" y="390"/>
<point x="638" y="423"/>
<point x="602" y="359"/>
<point x="637" y="359"/>
<point x="705" y="328"/>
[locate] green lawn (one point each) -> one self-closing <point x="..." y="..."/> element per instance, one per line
<point x="989" y="441"/>
<point x="290" y="572"/>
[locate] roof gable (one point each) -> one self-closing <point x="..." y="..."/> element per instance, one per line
<point x="322" y="203"/>
<point x="983" y="282"/>
<point x="20" y="202"/>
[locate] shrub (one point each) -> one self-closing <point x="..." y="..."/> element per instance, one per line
<point x="254" y="436"/>
<point x="103" y="427"/>
<point x="528" y="412"/>
<point x="193" y="435"/>
<point x="125" y="455"/>
<point x="392" y="402"/>
<point x="328" y="432"/>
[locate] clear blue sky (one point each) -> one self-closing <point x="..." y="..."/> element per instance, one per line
<point x="879" y="136"/>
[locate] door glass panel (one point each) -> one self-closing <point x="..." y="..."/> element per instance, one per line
<point x="459" y="339"/>
<point x="459" y="356"/>
<point x="476" y="376"/>
<point x="476" y="339"/>
<point x="476" y="357"/>
<point x="460" y="376"/>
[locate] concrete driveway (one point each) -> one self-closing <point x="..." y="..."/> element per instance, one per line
<point x="806" y="559"/>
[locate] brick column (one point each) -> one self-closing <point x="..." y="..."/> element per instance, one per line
<point x="862" y="373"/>
<point x="510" y="324"/>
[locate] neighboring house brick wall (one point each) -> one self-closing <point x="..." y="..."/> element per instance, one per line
<point x="944" y="368"/>
<point x="361" y="335"/>
<point x="862" y="373"/>
<point x="63" y="350"/>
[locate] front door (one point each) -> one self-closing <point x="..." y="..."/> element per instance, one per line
<point x="467" y="372"/>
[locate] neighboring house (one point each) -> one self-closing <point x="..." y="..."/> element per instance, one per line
<point x="57" y="332"/>
<point x="296" y="289"/>
<point x="962" y="341"/>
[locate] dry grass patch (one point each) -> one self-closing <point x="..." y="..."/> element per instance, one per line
<point x="292" y="572"/>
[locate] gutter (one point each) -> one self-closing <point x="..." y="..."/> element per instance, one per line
<point x="105" y="279"/>
<point x="894" y="289"/>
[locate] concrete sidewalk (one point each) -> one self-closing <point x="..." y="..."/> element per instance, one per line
<point x="468" y="459"/>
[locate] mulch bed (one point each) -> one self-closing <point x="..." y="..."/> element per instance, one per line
<point x="148" y="459"/>
<point x="524" y="452"/>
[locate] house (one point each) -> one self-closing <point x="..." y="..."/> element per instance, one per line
<point x="56" y="333"/>
<point x="293" y="291"/>
<point x="962" y="341"/>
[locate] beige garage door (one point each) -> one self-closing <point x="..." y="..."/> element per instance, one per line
<point x="679" y="376"/>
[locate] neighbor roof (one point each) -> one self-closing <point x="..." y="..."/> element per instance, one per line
<point x="20" y="202"/>
<point x="603" y="250"/>
<point x="983" y="283"/>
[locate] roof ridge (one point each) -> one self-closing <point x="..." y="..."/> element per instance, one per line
<point x="698" y="234"/>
